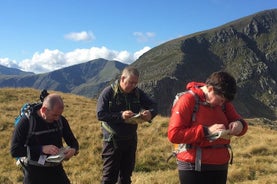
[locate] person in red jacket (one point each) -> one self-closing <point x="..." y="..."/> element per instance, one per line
<point x="205" y="155"/>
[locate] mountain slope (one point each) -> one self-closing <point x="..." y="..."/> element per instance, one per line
<point x="12" y="71"/>
<point x="247" y="48"/>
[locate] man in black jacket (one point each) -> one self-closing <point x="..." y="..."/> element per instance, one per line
<point x="49" y="127"/>
<point x="117" y="105"/>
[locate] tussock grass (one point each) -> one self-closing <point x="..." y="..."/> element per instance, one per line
<point x="255" y="159"/>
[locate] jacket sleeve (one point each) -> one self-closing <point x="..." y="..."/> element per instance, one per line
<point x="180" y="129"/>
<point x="68" y="136"/>
<point x="232" y="115"/>
<point x="103" y="112"/>
<point x="18" y="139"/>
<point x="148" y="104"/>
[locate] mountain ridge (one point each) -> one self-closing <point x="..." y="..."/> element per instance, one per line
<point x="12" y="71"/>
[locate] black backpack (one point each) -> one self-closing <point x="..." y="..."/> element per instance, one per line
<point x="27" y="109"/>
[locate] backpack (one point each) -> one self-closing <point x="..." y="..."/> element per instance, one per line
<point x="27" y="109"/>
<point x="177" y="148"/>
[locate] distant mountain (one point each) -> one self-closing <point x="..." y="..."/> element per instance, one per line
<point x="85" y="79"/>
<point x="12" y="71"/>
<point x="247" y="48"/>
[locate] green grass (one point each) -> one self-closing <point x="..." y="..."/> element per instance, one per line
<point x="255" y="153"/>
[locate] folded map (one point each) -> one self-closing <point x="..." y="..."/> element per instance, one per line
<point x="59" y="157"/>
<point x="224" y="134"/>
<point x="136" y="119"/>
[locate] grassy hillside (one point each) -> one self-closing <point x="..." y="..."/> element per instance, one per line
<point x="255" y="159"/>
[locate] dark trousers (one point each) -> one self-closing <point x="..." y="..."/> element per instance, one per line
<point x="45" y="175"/>
<point x="203" y="177"/>
<point x="118" y="161"/>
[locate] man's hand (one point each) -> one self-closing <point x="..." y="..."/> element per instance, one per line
<point x="146" y="115"/>
<point x="68" y="153"/>
<point x="50" y="149"/>
<point x="127" y="114"/>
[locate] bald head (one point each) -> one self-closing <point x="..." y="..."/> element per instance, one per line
<point x="53" y="101"/>
<point x="52" y="108"/>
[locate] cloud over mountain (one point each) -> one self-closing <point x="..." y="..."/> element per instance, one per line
<point x="49" y="60"/>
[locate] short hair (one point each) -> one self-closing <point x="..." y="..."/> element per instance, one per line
<point x="52" y="100"/>
<point x="223" y="83"/>
<point x="130" y="71"/>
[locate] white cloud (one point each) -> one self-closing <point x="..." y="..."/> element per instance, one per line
<point x="124" y="56"/>
<point x="140" y="52"/>
<point x="8" y="63"/>
<point x="47" y="61"/>
<point x="83" y="55"/>
<point x="50" y="60"/>
<point x="144" y="37"/>
<point x="80" y="36"/>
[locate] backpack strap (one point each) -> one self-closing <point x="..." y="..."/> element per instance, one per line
<point x="198" y="156"/>
<point x="60" y="125"/>
<point x="115" y="89"/>
<point x="31" y="128"/>
<point x="196" y="105"/>
<point x="112" y="133"/>
<point x="30" y="116"/>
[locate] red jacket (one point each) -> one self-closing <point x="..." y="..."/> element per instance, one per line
<point x="181" y="129"/>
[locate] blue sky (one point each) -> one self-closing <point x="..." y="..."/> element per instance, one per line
<point x="42" y="36"/>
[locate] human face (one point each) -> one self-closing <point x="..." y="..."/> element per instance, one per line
<point x="54" y="114"/>
<point x="129" y="83"/>
<point x="215" y="99"/>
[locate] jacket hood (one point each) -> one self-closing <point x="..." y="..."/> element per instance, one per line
<point x="195" y="87"/>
